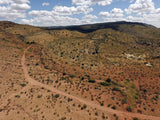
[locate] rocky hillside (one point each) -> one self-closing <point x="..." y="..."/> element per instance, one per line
<point x="114" y="65"/>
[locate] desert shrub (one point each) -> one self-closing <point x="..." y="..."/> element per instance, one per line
<point x="114" y="83"/>
<point x="124" y="101"/>
<point x="72" y="76"/>
<point x="129" y="108"/>
<point x="135" y="118"/>
<point x="23" y="85"/>
<point x="109" y="105"/>
<point x="1" y="110"/>
<point x="139" y="111"/>
<point x="17" y="96"/>
<point x="102" y="103"/>
<point x="105" y="83"/>
<point x="82" y="78"/>
<point x="64" y="73"/>
<point x="114" y="107"/>
<point x="91" y="81"/>
<point x="69" y="99"/>
<point x="96" y="113"/>
<point x="57" y="95"/>
<point x="63" y="118"/>
<point x="108" y="80"/>
<point x="116" y="88"/>
<point x="84" y="107"/>
<point x="39" y="96"/>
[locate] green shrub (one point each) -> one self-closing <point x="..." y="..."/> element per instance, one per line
<point x="129" y="108"/>
<point x="114" y="107"/>
<point x="57" y="95"/>
<point x="39" y="96"/>
<point x="91" y="81"/>
<point x="108" y="80"/>
<point x="116" y="88"/>
<point x="124" y="101"/>
<point x="1" y="110"/>
<point x="17" y="96"/>
<point x="23" y="85"/>
<point x="135" y="118"/>
<point x="105" y="83"/>
<point x="64" y="73"/>
<point x="114" y="83"/>
<point x="72" y="76"/>
<point x="84" y="107"/>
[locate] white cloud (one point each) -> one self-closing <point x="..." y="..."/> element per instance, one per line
<point x="13" y="9"/>
<point x="36" y="13"/>
<point x="89" y="18"/>
<point x="60" y="16"/>
<point x="64" y="10"/>
<point x="141" y="6"/>
<point x="145" y="12"/>
<point x="21" y="1"/>
<point x="45" y="4"/>
<point x="114" y="13"/>
<point x="91" y="2"/>
<point x="3" y="2"/>
<point x="52" y="21"/>
<point x="131" y="1"/>
<point x="61" y="11"/>
<point x="19" y="7"/>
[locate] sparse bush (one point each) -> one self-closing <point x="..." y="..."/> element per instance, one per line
<point x="114" y="107"/>
<point x="105" y="83"/>
<point x="72" y="76"/>
<point x="102" y="103"/>
<point x="69" y="99"/>
<point x="91" y="81"/>
<point x="39" y="96"/>
<point x="57" y="95"/>
<point x="82" y="78"/>
<point x="124" y="101"/>
<point x="114" y="83"/>
<point x="108" y="80"/>
<point x="1" y="110"/>
<point x="116" y="88"/>
<point x="17" y="96"/>
<point x="64" y="73"/>
<point x="96" y="113"/>
<point x="63" y="118"/>
<point x="139" y="111"/>
<point x="23" y="85"/>
<point x="109" y="105"/>
<point x="129" y="108"/>
<point x="84" y="106"/>
<point x="135" y="118"/>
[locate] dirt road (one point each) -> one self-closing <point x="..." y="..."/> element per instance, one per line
<point x="89" y="103"/>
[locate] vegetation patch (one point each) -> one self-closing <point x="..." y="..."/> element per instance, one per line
<point x="130" y="92"/>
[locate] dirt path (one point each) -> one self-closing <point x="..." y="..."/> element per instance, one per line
<point x="89" y="103"/>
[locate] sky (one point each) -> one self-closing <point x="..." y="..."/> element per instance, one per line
<point x="78" y="12"/>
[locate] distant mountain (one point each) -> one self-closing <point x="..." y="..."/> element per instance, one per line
<point x="93" y="27"/>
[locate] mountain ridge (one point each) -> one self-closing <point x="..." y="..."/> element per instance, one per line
<point x="93" y="27"/>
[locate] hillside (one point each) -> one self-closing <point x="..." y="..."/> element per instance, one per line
<point x="100" y="71"/>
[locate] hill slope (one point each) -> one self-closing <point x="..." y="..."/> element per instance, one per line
<point x="114" y="65"/>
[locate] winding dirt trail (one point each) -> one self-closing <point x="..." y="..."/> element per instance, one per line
<point x="89" y="103"/>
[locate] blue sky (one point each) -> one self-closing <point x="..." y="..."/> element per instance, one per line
<point x="76" y="12"/>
